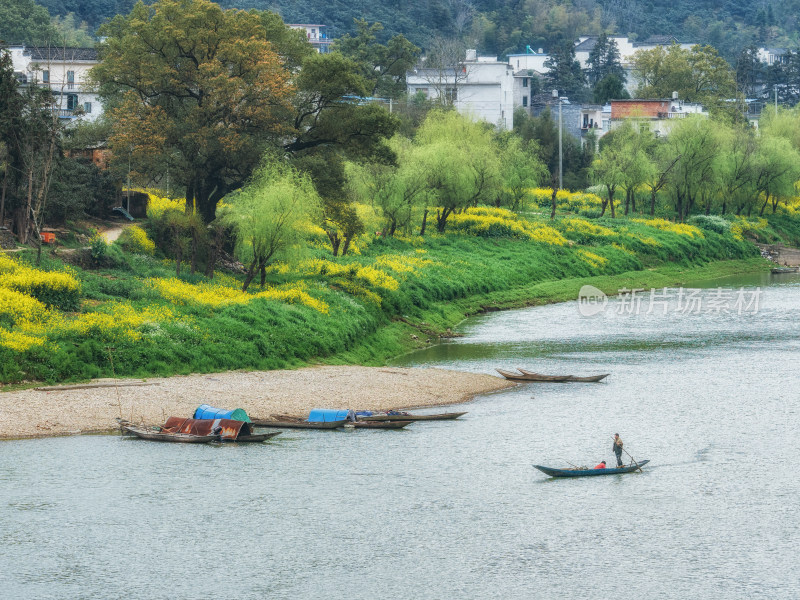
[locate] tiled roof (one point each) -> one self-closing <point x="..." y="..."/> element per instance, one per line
<point x="62" y="54"/>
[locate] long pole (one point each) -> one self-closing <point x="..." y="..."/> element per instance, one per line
<point x="560" y="156"/>
<point x="629" y="455"/>
<point x="776" y="100"/>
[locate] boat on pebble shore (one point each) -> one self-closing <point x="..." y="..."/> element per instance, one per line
<point x="525" y="375"/>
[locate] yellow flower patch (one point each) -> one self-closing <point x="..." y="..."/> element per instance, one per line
<point x="115" y="321"/>
<point x="17" y="308"/>
<point x="18" y="341"/>
<point x="678" y="228"/>
<point x="742" y="226"/>
<point x="493" y="222"/>
<point x="215" y="295"/>
<point x="584" y="227"/>
<point x="592" y="259"/>
<point x="135" y="239"/>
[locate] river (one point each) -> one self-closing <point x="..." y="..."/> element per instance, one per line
<point x="707" y="390"/>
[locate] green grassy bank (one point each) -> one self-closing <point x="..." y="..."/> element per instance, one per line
<point x="395" y="295"/>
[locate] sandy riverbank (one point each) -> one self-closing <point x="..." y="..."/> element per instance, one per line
<point x="67" y="410"/>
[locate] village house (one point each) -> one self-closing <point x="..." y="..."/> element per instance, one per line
<point x="66" y="72"/>
<point x="480" y="87"/>
<point x="659" y="115"/>
<point x="317" y="36"/>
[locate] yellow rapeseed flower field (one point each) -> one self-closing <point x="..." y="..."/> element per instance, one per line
<point x="664" y="225"/>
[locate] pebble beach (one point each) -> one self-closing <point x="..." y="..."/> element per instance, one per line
<point x="94" y="407"/>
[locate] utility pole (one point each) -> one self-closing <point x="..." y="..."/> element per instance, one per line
<point x="560" y="153"/>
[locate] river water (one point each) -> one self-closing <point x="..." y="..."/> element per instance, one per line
<point x="707" y="390"/>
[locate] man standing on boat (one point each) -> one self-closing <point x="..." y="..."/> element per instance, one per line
<point x="617" y="448"/>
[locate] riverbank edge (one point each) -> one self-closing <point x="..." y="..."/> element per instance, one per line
<point x="56" y="411"/>
<point x="404" y="335"/>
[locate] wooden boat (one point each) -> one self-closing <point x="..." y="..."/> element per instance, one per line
<point x="586" y="472"/>
<point x="404" y="416"/>
<point x="589" y="379"/>
<point x="779" y="270"/>
<point x="286" y="422"/>
<point x="160" y="436"/>
<point x="532" y="376"/>
<point x="358" y="424"/>
<point x="574" y="378"/>
<point x="254" y="437"/>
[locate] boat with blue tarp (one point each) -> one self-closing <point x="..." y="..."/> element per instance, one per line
<point x="204" y="411"/>
<point x="587" y="472"/>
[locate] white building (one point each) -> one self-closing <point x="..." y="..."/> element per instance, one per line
<point x="481" y="87"/>
<point x="317" y="36"/>
<point x="530" y="61"/>
<point x="770" y="56"/>
<point x="534" y="61"/>
<point x="66" y="72"/>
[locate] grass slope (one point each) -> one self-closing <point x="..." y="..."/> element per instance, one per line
<point x="396" y="295"/>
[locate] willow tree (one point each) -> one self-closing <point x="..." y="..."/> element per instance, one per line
<point x="196" y="91"/>
<point x="462" y="167"/>
<point x="270" y="216"/>
<point x="394" y="191"/>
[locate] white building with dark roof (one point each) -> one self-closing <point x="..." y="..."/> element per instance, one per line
<point x="66" y="72"/>
<point x="481" y="87"/>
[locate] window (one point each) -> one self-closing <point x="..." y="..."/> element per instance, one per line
<point x="524" y="82"/>
<point x="45" y="76"/>
<point x="451" y="95"/>
<point x="70" y="79"/>
<point x="72" y="101"/>
<point x="87" y="108"/>
<point x="524" y="101"/>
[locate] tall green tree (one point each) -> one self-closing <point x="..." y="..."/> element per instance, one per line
<point x="270" y="217"/>
<point x="383" y="66"/>
<point x="196" y="90"/>
<point x="25" y="22"/>
<point x="604" y="61"/>
<point x="462" y="166"/>
<point x="565" y="73"/>
<point x="696" y="141"/>
<point x="698" y="75"/>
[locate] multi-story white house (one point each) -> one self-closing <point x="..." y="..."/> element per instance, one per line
<point x="66" y="72"/>
<point x="317" y="36"/>
<point x="481" y="87"/>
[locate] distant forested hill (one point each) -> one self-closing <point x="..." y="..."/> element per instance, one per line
<point x="504" y="26"/>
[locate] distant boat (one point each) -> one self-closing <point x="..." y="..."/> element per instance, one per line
<point x="587" y="472"/>
<point x="404" y="416"/>
<point x="779" y="270"/>
<point x="532" y="376"/>
<point x="575" y="378"/>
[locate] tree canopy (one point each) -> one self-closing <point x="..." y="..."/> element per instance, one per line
<point x="196" y="90"/>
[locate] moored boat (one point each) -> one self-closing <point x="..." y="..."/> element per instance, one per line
<point x="255" y="437"/>
<point x="286" y="422"/>
<point x="571" y="378"/>
<point x="587" y="472"/>
<point x="532" y="376"/>
<point x="404" y="416"/>
<point x="157" y="435"/>
<point x="378" y="424"/>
